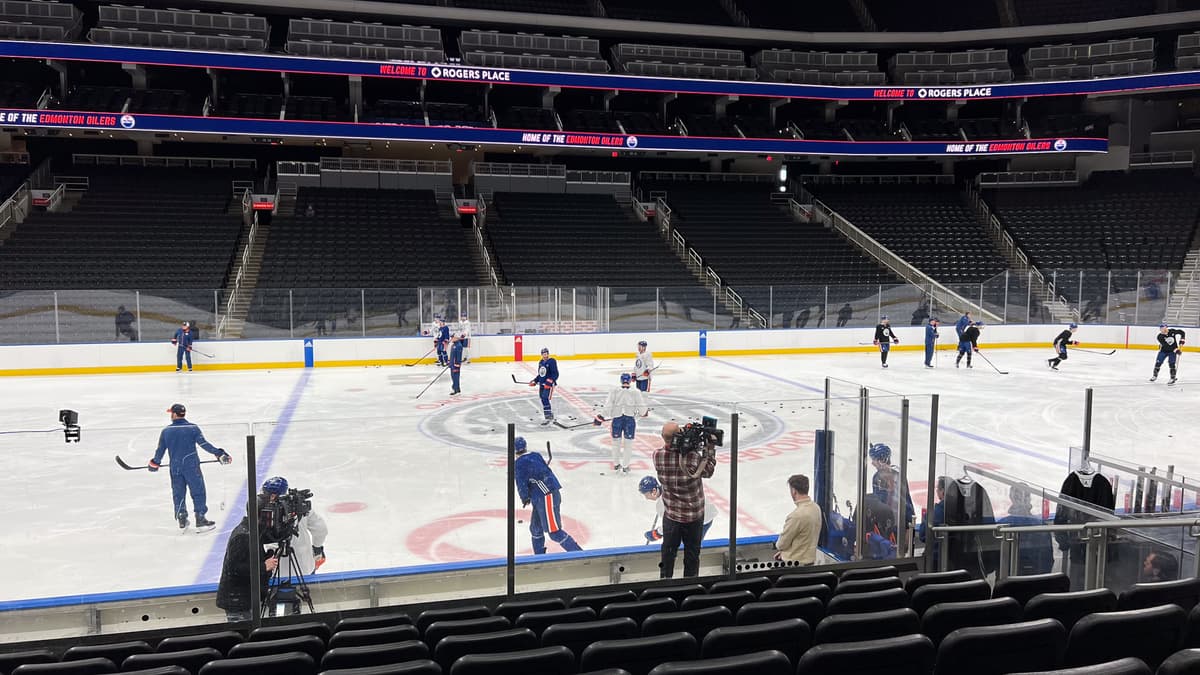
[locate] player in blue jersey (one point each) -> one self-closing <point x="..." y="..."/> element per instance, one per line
<point x="963" y="323"/>
<point x="182" y="340"/>
<point x="538" y="487"/>
<point x="968" y="342"/>
<point x="457" y="344"/>
<point x="1170" y="346"/>
<point x="179" y="440"/>
<point x="546" y="381"/>
<point x="884" y="337"/>
<point x="643" y="366"/>
<point x="441" y="340"/>
<point x="931" y="336"/>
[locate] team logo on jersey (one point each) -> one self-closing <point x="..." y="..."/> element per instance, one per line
<point x="1060" y="144"/>
<point x="631" y="141"/>
<point x="127" y="122"/>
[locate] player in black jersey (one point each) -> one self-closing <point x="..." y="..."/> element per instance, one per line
<point x="1060" y="345"/>
<point x="968" y="342"/>
<point x="884" y="337"/>
<point x="1170" y="346"/>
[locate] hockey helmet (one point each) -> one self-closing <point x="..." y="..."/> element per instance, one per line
<point x="880" y="452"/>
<point x="276" y="485"/>
<point x="1163" y="325"/>
<point x="519" y="444"/>
<point x="626" y="378"/>
<point x="1073" y="326"/>
<point x="647" y="485"/>
<point x="546" y="351"/>
<point x="979" y="324"/>
<point x="185" y="324"/>
<point x="642" y="343"/>
<point x="883" y="318"/>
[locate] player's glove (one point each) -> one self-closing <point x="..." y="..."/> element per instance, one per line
<point x="189" y="349"/>
<point x="524" y="503"/>
<point x="153" y="465"/>
<point x="875" y="342"/>
<point x="896" y="341"/>
<point x="599" y="419"/>
<point x="533" y="383"/>
<point x="224" y="457"/>
<point x="318" y="556"/>
<point x="977" y="350"/>
<point x="174" y="341"/>
<point x="652" y="536"/>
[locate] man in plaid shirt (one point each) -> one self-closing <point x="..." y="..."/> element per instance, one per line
<point x="681" y="477"/>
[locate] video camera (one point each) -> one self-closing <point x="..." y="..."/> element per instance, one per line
<point x="694" y="436"/>
<point x="279" y="519"/>
<point x="70" y="421"/>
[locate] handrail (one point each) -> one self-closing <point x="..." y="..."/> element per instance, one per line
<point x="1193" y="524"/>
<point x="895" y="263"/>
<point x="1025" y="178"/>
<point x="876" y="179"/>
<point x="487" y="259"/>
<point x="698" y="176"/>
<point x="231" y="301"/>
<point x="89" y="159"/>
<point x="1142" y="473"/>
<point x="1139" y="160"/>
<point x="74" y="183"/>
<point x="56" y="197"/>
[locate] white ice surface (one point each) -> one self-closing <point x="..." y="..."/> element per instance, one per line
<point x="403" y="481"/>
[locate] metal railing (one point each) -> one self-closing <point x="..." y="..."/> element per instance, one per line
<point x="1027" y="178"/>
<point x="876" y="179"/>
<point x="524" y="170"/>
<point x="1155" y="160"/>
<point x="900" y="267"/>
<point x="14" y="157"/>
<point x="154" y="162"/>
<point x="705" y="177"/>
<point x="73" y="183"/>
<point x="231" y="301"/>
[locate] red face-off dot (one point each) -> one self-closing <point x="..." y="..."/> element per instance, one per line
<point x="347" y="507"/>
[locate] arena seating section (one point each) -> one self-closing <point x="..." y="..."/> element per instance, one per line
<point x="133" y="229"/>
<point x="1128" y="56"/>
<point x="358" y="40"/>
<point x="358" y="238"/>
<point x="24" y="20"/>
<point x="537" y="52"/>
<point x="180" y="29"/>
<point x="929" y="226"/>
<point x="806" y="15"/>
<point x="813" y="623"/>
<point x="753" y="243"/>
<point x="578" y="240"/>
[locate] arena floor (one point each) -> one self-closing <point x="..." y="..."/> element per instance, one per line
<point x="405" y="481"/>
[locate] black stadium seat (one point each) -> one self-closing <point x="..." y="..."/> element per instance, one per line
<point x="1182" y="662"/>
<point x="676" y="593"/>
<point x="308" y="644"/>
<point x="1183" y="592"/>
<point x="637" y="610"/>
<point x="598" y="600"/>
<point x="577" y="636"/>
<point x="791" y="637"/>
<point x="811" y="610"/>
<point x="698" y="622"/>
<point x="819" y="591"/>
<point x="442" y="629"/>
<point x="639" y="655"/>
<point x="191" y="659"/>
<point x="113" y="651"/>
<point x="733" y="600"/>
<point x="511" y="609"/>
<point x="374" y="636"/>
<point x="1025" y="588"/>
<point x="962" y="591"/>
<point x="996" y="650"/>
<point x="372" y="621"/>
<point x="875" y="601"/>
<point x="755" y="585"/>
<point x="375" y="655"/>
<point x="93" y="666"/>
<point x="314" y="628"/>
<point x="929" y="578"/>
<point x="1150" y="634"/>
<point x="757" y="663"/>
<point x="221" y="641"/>
<point x="539" y="621"/>
<point x="907" y="655"/>
<point x="868" y="585"/>
<point x="1129" y="666"/>
<point x="10" y="660"/>
<point x="546" y="660"/>
<point x="947" y="617"/>
<point x="453" y="647"/>
<point x="861" y="573"/>
<point x="1070" y="607"/>
<point x="165" y="670"/>
<point x="414" y="667"/>
<point x="294" y="663"/>
<point x="826" y="578"/>
<point x="867" y="626"/>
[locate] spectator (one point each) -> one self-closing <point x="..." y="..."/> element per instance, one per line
<point x="797" y="541"/>
<point x="821" y="317"/>
<point x="938" y="517"/>
<point x="1037" y="548"/>
<point x="681" y="477"/>
<point x="803" y="317"/>
<point x="309" y="211"/>
<point x="1160" y="566"/>
<point x="124" y="322"/>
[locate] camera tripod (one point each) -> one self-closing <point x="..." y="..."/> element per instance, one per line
<point x="281" y="593"/>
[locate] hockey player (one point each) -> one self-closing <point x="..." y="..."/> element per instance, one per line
<point x="537" y="485"/>
<point x="968" y="342"/>
<point x="183" y="346"/>
<point x="642" y="366"/>
<point x="963" y="323"/>
<point x="457" y="344"/>
<point x="884" y="337"/>
<point x="1060" y="346"/>
<point x="1170" y="346"/>
<point x="464" y="332"/>
<point x="652" y="491"/>
<point x="180" y="440"/>
<point x="623" y="406"/>
<point x="441" y="340"/>
<point x="307" y="540"/>
<point x="546" y="380"/>
<point x="931" y="336"/>
<point x="880" y="455"/>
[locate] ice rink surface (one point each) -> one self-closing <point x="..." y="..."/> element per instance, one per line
<point x="404" y="481"/>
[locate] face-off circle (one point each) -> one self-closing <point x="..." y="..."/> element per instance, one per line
<point x="480" y="425"/>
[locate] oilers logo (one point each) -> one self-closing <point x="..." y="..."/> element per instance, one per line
<point x="631" y="142"/>
<point x="127" y="122"/>
<point x="1060" y="144"/>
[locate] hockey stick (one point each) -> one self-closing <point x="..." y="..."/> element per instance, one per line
<point x="409" y="365"/>
<point x="573" y="426"/>
<point x="516" y="381"/>
<point x="431" y="383"/>
<point x="1002" y="372"/>
<point x="1092" y="351"/>
<point x="549" y="453"/>
<point x="127" y="467"/>
<point x="193" y="349"/>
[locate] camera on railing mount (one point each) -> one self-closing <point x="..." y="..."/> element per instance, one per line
<point x="279" y="518"/>
<point x="696" y="436"/>
<point x="70" y="421"/>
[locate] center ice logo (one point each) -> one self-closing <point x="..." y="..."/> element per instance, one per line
<point x="480" y="425"/>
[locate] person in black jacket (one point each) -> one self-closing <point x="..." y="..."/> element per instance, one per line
<point x="233" y="591"/>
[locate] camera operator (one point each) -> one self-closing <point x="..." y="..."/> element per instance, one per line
<point x="233" y="591"/>
<point x="681" y="471"/>
<point x="308" y="541"/>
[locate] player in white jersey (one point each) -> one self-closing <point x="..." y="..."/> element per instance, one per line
<point x="464" y="329"/>
<point x="623" y="407"/>
<point x="643" y="365"/>
<point x="651" y="490"/>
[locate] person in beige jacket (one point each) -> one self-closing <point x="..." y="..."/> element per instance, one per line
<point x="798" y="540"/>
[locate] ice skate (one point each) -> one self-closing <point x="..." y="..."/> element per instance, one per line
<point x="1173" y="381"/>
<point x="1153" y="378"/>
<point x="183" y="522"/>
<point x="204" y="524"/>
